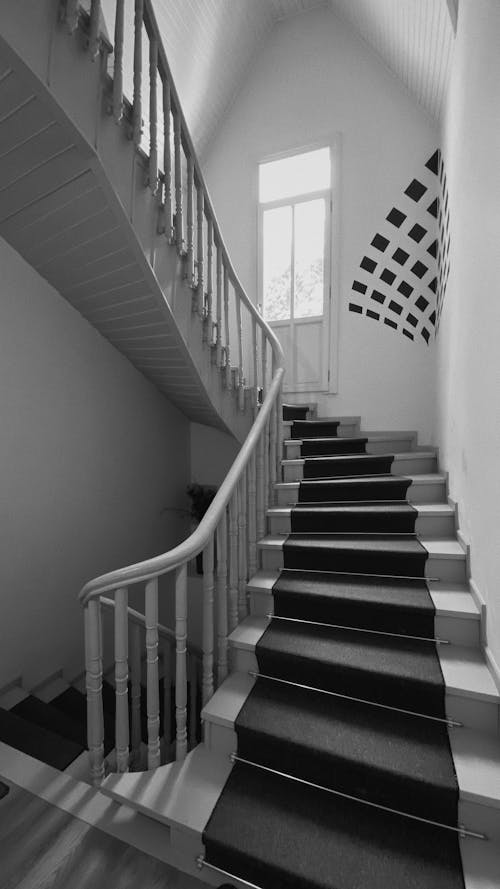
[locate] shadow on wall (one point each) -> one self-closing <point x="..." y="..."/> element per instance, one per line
<point x="401" y="279"/>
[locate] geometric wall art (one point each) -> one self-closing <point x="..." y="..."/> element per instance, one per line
<point x="398" y="282"/>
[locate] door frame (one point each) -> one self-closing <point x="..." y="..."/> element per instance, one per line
<point x="334" y="142"/>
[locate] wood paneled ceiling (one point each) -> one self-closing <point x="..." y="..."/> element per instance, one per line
<point x="212" y="44"/>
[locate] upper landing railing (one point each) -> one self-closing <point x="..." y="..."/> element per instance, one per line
<point x="228" y="534"/>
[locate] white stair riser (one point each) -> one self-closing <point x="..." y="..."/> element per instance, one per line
<point x="425" y="525"/>
<point x="429" y="492"/>
<point x="221" y="739"/>
<point x="457" y="630"/>
<point x="293" y="472"/>
<point x="474" y="713"/>
<point x="384" y="446"/>
<point x="444" y="569"/>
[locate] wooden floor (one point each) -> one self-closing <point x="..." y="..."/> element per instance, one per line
<point x="42" y="847"/>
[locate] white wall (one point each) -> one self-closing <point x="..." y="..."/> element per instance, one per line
<point x="212" y="454"/>
<point x="469" y="335"/>
<point x="90" y="454"/>
<point x="313" y="78"/>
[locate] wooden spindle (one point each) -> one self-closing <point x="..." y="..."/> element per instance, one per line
<point x="179" y="235"/>
<point x="222" y="616"/>
<point x="239" y="333"/>
<point x="210" y="272"/>
<point x="72" y="15"/>
<point x="252" y="515"/>
<point x="193" y="696"/>
<point x="279" y="428"/>
<point x="207" y="682"/>
<point x="180" y="662"/>
<point x="135" y="694"/>
<point x="153" y="115"/>
<point x="118" y="62"/>
<point x="219" y="304"/>
<point x="264" y="365"/>
<point x="137" y="104"/>
<point x="226" y="323"/>
<point x="233" y="561"/>
<point x="93" y="41"/>
<point x="260" y="485"/>
<point x="190" y="221"/>
<point x="273" y="455"/>
<point x="242" y="546"/>
<point x="121" y="680"/>
<point x="266" y="465"/>
<point x="167" y="697"/>
<point x="93" y="685"/>
<point x="255" y="381"/>
<point x="153" y="686"/>
<point x="167" y="160"/>
<point x="200" y="261"/>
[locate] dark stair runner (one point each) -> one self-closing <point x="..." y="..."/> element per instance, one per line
<point x="349" y="697"/>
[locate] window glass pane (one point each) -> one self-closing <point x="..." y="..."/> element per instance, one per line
<point x="294" y="175"/>
<point x="309" y="258"/>
<point x="277" y="261"/>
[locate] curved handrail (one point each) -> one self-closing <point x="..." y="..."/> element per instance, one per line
<point x="189" y="548"/>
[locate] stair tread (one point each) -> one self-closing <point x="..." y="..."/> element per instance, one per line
<point x="438" y="547"/>
<point x="421" y="478"/>
<point x="424" y="509"/>
<point x="401" y="455"/>
<point x="37" y="741"/>
<point x="329" y="842"/>
<point x="46" y="716"/>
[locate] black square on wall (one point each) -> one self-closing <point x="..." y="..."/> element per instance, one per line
<point x="434" y="207"/>
<point x="419" y="269"/>
<point x="432" y="249"/>
<point x="374" y="315"/>
<point x="405" y="289"/>
<point x="411" y="319"/>
<point x="421" y="303"/>
<point x="400" y="256"/>
<point x="417" y="232"/>
<point x="359" y="287"/>
<point x="408" y="334"/>
<point x="432" y="318"/>
<point x="380" y="242"/>
<point x="396" y="217"/>
<point x="390" y="323"/>
<point x="368" y="264"/>
<point x="379" y="297"/>
<point x="415" y="190"/>
<point x="425" y="333"/>
<point x="353" y="307"/>
<point x="433" y="162"/>
<point x="388" y="276"/>
<point x="433" y="285"/>
<point x="395" y="307"/>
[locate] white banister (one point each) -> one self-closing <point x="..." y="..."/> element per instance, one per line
<point x="135" y="693"/>
<point x="226" y="324"/>
<point x="207" y="683"/>
<point x="260" y="486"/>
<point x="121" y="680"/>
<point x="233" y="561"/>
<point x="219" y="304"/>
<point x="179" y="236"/>
<point x="153" y="687"/>
<point x="193" y="694"/>
<point x="167" y="160"/>
<point x="181" y="662"/>
<point x="153" y="115"/>
<point x="189" y="220"/>
<point x="137" y="104"/>
<point x="255" y="380"/>
<point x="252" y="515"/>
<point x="93" y="684"/>
<point x="210" y="273"/>
<point x="242" y="545"/>
<point x="167" y="695"/>
<point x="200" y="258"/>
<point x="118" y="62"/>
<point x="222" y="599"/>
<point x="272" y="455"/>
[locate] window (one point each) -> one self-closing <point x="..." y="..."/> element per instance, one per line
<point x="294" y="196"/>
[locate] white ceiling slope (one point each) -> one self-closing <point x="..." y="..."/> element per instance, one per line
<point x="414" y="38"/>
<point x="212" y="43"/>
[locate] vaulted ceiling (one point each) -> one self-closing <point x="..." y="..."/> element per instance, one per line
<point x="211" y="45"/>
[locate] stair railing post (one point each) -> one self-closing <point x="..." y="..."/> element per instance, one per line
<point x="118" y="62"/>
<point x="239" y="331"/>
<point x="255" y="380"/>
<point x="167" y="697"/>
<point x="153" y="689"/>
<point x="242" y="546"/>
<point x="210" y="283"/>
<point x="200" y="258"/>
<point x="222" y="616"/>
<point x="260" y="486"/>
<point x="219" y="304"/>
<point x="226" y="324"/>
<point x="189" y="220"/>
<point x="252" y="515"/>
<point x="193" y="695"/>
<point x="207" y="685"/>
<point x="266" y="465"/>
<point x="93" y="43"/>
<point x="179" y="235"/>
<point x="153" y="115"/>
<point x="264" y="365"/>
<point x="121" y="680"/>
<point x="180" y="662"/>
<point x="135" y="693"/>
<point x="233" y="561"/>
<point x="279" y="433"/>
<point x="167" y="160"/>
<point x="272" y="454"/>
<point x="93" y="684"/>
<point x="137" y="104"/>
